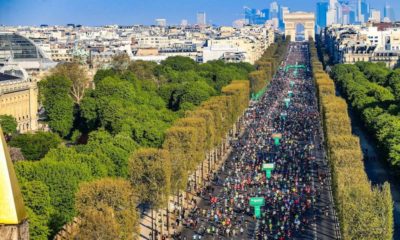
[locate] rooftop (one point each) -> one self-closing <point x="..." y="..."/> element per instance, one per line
<point x="6" y="77"/>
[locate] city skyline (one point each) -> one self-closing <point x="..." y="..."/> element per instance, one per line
<point x="128" y="12"/>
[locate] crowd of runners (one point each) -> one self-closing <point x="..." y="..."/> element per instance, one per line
<point x="295" y="184"/>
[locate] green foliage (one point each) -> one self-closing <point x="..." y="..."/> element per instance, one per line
<point x="62" y="179"/>
<point x="35" y="146"/>
<point x="38" y="205"/>
<point x="372" y="90"/>
<point x="179" y="63"/>
<point x="103" y="73"/>
<point x="112" y="199"/>
<point x="8" y="124"/>
<point x="267" y="65"/>
<point x="364" y="213"/>
<point x="134" y="104"/>
<point x="150" y="173"/>
<point x="58" y="103"/>
<point x="119" y="105"/>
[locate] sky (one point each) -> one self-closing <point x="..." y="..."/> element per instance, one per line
<point x="128" y="12"/>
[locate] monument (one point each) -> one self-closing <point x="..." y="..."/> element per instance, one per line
<point x="291" y="21"/>
<point x="13" y="216"/>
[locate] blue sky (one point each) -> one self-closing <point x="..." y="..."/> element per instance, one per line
<point x="100" y="12"/>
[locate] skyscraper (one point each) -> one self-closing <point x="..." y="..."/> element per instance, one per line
<point x="162" y="22"/>
<point x="201" y="19"/>
<point x="274" y="13"/>
<point x="365" y="11"/>
<point x="375" y="15"/>
<point x="265" y="12"/>
<point x="360" y="16"/>
<point x="274" y="10"/>
<point x="255" y="16"/>
<point x="322" y="9"/>
<point x="331" y="15"/>
<point x="284" y="10"/>
<point x="352" y="17"/>
<point x="184" y="23"/>
<point x="388" y="13"/>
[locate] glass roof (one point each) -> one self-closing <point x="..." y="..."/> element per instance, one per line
<point x="17" y="47"/>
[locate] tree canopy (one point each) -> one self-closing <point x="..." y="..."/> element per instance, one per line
<point x="8" y="124"/>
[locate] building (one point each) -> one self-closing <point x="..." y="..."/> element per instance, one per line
<point x="375" y="15"/>
<point x="274" y="14"/>
<point x="19" y="50"/>
<point x="360" y="15"/>
<point x="331" y="15"/>
<point x="389" y="13"/>
<point x="282" y="13"/>
<point x="201" y="19"/>
<point x="96" y="46"/>
<point x="162" y="22"/>
<point x="373" y="42"/>
<point x="184" y="23"/>
<point x="19" y="97"/>
<point x="365" y="11"/>
<point x="255" y="16"/>
<point x="322" y="10"/>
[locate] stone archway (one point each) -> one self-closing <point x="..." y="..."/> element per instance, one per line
<point x="291" y="20"/>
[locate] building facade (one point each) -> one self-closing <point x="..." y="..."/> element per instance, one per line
<point x="19" y="98"/>
<point x="378" y="42"/>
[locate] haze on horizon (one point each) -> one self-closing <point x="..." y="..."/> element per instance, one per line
<point x="128" y="12"/>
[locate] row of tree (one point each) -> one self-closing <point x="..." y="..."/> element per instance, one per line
<point x="134" y="104"/>
<point x="132" y="96"/>
<point x="156" y="174"/>
<point x="49" y="185"/>
<point x="268" y="64"/>
<point x="365" y="212"/>
<point x="375" y="97"/>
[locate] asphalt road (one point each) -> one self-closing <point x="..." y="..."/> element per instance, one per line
<point x="320" y="216"/>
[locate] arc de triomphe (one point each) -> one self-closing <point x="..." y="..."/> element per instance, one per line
<point x="291" y="20"/>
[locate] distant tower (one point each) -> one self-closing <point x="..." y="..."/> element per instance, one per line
<point x="274" y="13"/>
<point x="184" y="23"/>
<point x="322" y="10"/>
<point x="201" y="19"/>
<point x="360" y="15"/>
<point x="13" y="216"/>
<point x="389" y="12"/>
<point x="162" y="22"/>
<point x="375" y="15"/>
<point x="331" y="15"/>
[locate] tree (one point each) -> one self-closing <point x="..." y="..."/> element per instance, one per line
<point x="258" y="80"/>
<point x="120" y="62"/>
<point x="58" y="103"/>
<point x="8" y="124"/>
<point x="34" y="146"/>
<point x="143" y="70"/>
<point x="364" y="212"/>
<point x="96" y="223"/>
<point x="179" y="63"/>
<point x="150" y="170"/>
<point x="111" y="202"/>
<point x="62" y="179"/>
<point x="77" y="75"/>
<point x="37" y="200"/>
<point x="181" y="144"/>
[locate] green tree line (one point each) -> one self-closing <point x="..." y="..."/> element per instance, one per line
<point x="116" y="141"/>
<point x="268" y="64"/>
<point x="364" y="211"/>
<point x="373" y="91"/>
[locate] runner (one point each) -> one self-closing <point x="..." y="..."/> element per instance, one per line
<point x="290" y="194"/>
